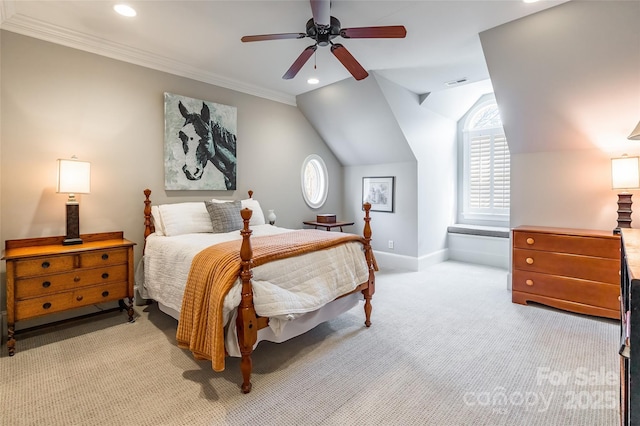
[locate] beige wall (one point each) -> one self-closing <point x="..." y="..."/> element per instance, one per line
<point x="57" y="102"/>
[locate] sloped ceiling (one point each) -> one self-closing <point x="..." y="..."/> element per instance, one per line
<point x="355" y="120"/>
<point x="568" y="78"/>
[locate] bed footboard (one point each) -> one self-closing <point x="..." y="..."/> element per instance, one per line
<point x="368" y="291"/>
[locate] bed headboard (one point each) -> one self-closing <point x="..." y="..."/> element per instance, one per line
<point x="149" y="227"/>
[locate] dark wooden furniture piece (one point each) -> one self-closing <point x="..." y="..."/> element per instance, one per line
<point x="44" y="276"/>
<point x="248" y="322"/>
<point x="327" y="226"/>
<point x="571" y="269"/>
<point x="630" y="327"/>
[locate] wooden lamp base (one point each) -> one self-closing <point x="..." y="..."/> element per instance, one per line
<point x="624" y="210"/>
<point x="73" y="225"/>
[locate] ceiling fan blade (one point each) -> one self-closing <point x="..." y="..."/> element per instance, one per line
<point x="321" y="12"/>
<point x="349" y="62"/>
<point x="272" y="37"/>
<point x="298" y="63"/>
<point x="392" y="31"/>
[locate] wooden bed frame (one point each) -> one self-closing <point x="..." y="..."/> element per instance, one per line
<point x="247" y="321"/>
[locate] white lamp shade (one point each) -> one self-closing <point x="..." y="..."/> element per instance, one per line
<point x="635" y="133"/>
<point x="624" y="173"/>
<point x="74" y="177"/>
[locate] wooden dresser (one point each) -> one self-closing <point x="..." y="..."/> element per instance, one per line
<point x="572" y="269"/>
<point x="44" y="277"/>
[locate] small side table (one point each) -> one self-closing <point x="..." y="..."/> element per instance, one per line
<point x="328" y="226"/>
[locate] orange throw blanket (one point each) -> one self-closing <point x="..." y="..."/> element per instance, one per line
<point x="214" y="271"/>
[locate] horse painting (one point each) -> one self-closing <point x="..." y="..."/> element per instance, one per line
<point x="202" y="140"/>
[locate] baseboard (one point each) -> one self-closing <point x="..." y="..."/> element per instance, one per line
<point x="398" y="261"/>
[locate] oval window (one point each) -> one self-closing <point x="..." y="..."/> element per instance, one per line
<point x="315" y="181"/>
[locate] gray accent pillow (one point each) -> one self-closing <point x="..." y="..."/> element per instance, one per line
<point x="225" y="217"/>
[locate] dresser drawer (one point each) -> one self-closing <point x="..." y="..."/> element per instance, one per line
<point x="57" y="302"/>
<point x="43" y="285"/>
<point x="44" y="265"/>
<point x="587" y="268"/>
<point x="565" y="288"/>
<point x="581" y="245"/>
<point x="103" y="257"/>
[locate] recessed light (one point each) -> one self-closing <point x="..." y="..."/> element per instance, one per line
<point x="530" y="1"/>
<point x="125" y="10"/>
<point x="313" y="80"/>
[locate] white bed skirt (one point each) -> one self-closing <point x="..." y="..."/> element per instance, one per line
<point x="289" y="329"/>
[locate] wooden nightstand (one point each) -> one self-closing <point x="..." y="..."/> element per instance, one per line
<point x="44" y="277"/>
<point x="327" y="226"/>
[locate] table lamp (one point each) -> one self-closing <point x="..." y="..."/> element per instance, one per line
<point x="624" y="175"/>
<point x="74" y="177"/>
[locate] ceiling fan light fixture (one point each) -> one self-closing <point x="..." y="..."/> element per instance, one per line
<point x="323" y="28"/>
<point x="313" y="80"/>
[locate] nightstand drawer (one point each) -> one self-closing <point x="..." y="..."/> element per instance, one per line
<point x="73" y="299"/>
<point x="43" y="285"/>
<point x="586" y="268"/>
<point x="566" y="288"/>
<point x="106" y="257"/>
<point x="573" y="244"/>
<point x="44" y="265"/>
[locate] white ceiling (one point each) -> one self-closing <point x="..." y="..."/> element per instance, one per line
<point x="201" y="39"/>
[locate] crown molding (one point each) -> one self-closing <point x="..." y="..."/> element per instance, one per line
<point x="14" y="22"/>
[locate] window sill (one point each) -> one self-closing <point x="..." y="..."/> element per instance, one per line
<point x="485" y="231"/>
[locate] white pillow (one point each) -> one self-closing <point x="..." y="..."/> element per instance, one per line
<point x="157" y="220"/>
<point x="257" y="217"/>
<point x="185" y="218"/>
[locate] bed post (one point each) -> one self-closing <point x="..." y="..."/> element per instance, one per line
<point x="149" y="228"/>
<point x="371" y="263"/>
<point x="246" y="322"/>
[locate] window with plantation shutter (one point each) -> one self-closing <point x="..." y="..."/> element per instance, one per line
<point x="486" y="166"/>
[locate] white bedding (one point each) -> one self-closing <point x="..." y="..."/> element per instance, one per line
<point x="283" y="289"/>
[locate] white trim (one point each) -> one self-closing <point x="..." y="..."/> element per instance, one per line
<point x="398" y="261"/>
<point x="44" y="31"/>
<point x="323" y="177"/>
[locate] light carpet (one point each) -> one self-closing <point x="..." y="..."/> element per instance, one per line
<point x="446" y="347"/>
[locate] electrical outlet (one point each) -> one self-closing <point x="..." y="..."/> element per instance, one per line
<point x="390" y="244"/>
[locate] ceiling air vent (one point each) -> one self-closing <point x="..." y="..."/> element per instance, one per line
<point x="455" y="82"/>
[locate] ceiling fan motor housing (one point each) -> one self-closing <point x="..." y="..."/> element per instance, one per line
<point x="323" y="34"/>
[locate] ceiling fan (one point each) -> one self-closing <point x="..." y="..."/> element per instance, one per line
<point x="323" y="28"/>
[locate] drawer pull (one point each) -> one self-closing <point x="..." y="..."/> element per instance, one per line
<point x="105" y="256"/>
<point x="529" y="260"/>
<point x="45" y="264"/>
<point x="79" y="298"/>
<point x="105" y="293"/>
<point x="529" y="282"/>
<point x="530" y="241"/>
<point x="105" y="275"/>
<point x="46" y="305"/>
<point x="76" y="279"/>
<point x="46" y="284"/>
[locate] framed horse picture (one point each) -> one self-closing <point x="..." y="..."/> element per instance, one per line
<point x="199" y="144"/>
